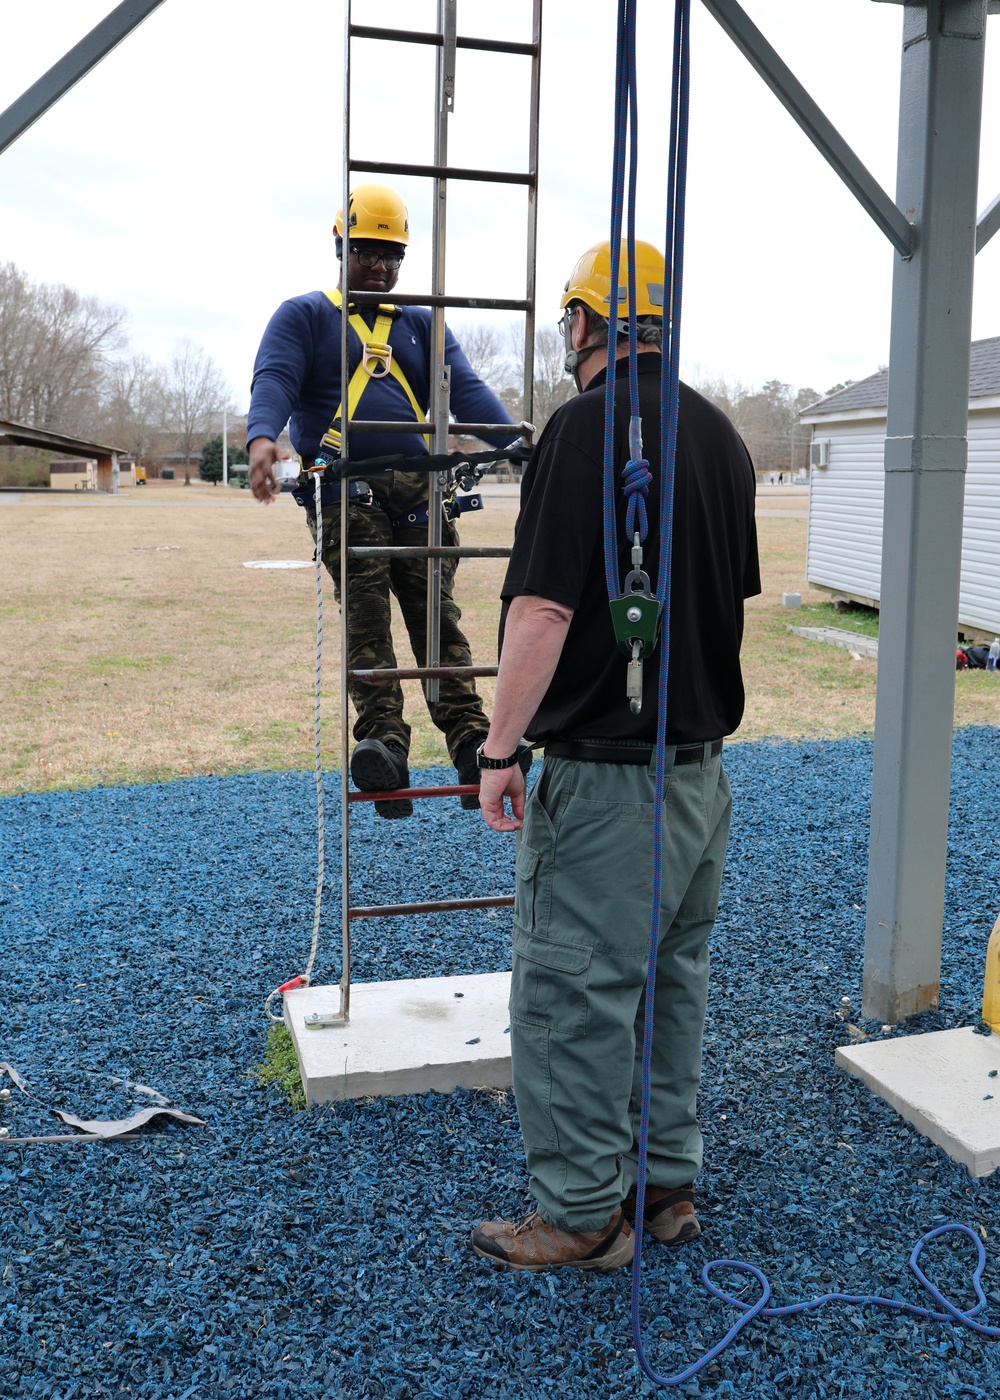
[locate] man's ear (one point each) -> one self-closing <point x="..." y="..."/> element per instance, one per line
<point x="577" y="328"/>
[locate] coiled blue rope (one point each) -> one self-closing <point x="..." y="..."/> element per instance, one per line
<point x="636" y="483"/>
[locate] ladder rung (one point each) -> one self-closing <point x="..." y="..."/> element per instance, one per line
<point x="428" y="551"/>
<point x="440" y="299"/>
<point x="415" y="36"/>
<point x="421" y="673"/>
<point x="374" y="425"/>
<point x="436" y="906"/>
<point x="445" y="172"/>
<point x="391" y="794"/>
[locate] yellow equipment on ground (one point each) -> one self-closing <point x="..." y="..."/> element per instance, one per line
<point x="991" y="988"/>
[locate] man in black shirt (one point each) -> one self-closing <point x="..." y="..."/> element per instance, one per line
<point x="584" y="867"/>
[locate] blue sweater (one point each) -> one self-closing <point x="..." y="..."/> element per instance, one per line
<point x="296" y="379"/>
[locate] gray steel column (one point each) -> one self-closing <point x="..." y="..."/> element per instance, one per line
<point x="925" y="460"/>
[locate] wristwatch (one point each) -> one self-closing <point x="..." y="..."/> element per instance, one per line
<point x="493" y="763"/>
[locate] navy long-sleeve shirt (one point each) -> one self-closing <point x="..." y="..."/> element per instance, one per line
<point x="296" y="379"/>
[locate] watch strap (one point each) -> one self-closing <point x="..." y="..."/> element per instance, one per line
<point x="494" y="763"/>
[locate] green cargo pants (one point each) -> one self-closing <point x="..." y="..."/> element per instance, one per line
<point x="581" y="943"/>
<point x="458" y="712"/>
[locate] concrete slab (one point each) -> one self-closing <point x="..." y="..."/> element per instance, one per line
<point x="855" y="642"/>
<point x="405" y="1037"/>
<point x="941" y="1083"/>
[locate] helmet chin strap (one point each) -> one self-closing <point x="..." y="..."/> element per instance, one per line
<point x="573" y="360"/>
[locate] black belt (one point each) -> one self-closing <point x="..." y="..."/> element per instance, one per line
<point x="608" y="751"/>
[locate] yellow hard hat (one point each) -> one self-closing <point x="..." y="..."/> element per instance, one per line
<point x="376" y="212"/>
<point x="590" y="281"/>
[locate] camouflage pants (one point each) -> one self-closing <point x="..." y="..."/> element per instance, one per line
<point x="458" y="712"/>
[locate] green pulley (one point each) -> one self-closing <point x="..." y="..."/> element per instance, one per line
<point x="636" y="614"/>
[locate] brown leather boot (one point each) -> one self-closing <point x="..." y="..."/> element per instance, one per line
<point x="533" y="1245"/>
<point x="668" y="1215"/>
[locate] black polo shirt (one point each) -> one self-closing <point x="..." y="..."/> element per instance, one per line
<point x="558" y="554"/>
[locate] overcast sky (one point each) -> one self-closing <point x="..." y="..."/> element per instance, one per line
<point x="193" y="176"/>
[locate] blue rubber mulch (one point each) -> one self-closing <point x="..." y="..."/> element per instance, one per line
<point x="325" y="1254"/>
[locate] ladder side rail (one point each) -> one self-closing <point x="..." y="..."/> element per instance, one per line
<point x="528" y="397"/>
<point x="345" y="832"/>
<point x="438" y="372"/>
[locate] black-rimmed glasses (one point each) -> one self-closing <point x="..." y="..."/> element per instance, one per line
<point x="371" y="257"/>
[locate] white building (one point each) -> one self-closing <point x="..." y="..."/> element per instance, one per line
<point x="844" y="551"/>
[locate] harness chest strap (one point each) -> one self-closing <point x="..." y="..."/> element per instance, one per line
<point x="377" y="360"/>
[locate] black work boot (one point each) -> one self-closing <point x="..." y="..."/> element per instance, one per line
<point x="378" y="767"/>
<point x="468" y="770"/>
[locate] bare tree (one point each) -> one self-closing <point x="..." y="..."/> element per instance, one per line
<point x="766" y="418"/>
<point x="135" y="404"/>
<point x="196" y="393"/>
<point x="54" y="348"/>
<point x="551" y="384"/>
<point x="485" y="348"/>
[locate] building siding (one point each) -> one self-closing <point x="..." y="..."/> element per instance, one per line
<point x="844" y="545"/>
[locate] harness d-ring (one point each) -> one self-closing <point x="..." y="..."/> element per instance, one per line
<point x="376" y="360"/>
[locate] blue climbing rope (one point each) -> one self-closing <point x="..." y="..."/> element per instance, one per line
<point x="635" y="485"/>
<point x="669" y="395"/>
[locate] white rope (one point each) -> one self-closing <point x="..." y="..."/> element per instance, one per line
<point x="304" y="980"/>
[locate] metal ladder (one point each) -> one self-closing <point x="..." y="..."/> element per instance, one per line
<point x="448" y="42"/>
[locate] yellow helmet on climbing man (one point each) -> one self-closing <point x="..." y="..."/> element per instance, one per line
<point x="590" y="282"/>
<point x="375" y="212"/>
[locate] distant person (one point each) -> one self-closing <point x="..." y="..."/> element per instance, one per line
<point x="297" y="376"/>
<point x="781" y="478"/>
<point x="584" y="869"/>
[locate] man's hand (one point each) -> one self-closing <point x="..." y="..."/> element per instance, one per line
<point x="263" y="483"/>
<point x="494" y="785"/>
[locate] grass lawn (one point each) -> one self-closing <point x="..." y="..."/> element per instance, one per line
<point x="136" y="647"/>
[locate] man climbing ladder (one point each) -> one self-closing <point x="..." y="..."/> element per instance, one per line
<point x="297" y="377"/>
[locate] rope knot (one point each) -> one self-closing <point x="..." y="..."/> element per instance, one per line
<point x="636" y="481"/>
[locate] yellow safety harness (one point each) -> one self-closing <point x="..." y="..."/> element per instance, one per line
<point x="377" y="361"/>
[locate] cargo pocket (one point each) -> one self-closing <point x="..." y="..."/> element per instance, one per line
<point x="525" y="870"/>
<point x="548" y="984"/>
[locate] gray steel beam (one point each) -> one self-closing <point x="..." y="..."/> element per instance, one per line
<point x="73" y="66"/>
<point x="989" y="222"/>
<point x="816" y="125"/>
<point x="925" y="461"/>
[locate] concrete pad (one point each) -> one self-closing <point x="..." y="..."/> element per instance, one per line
<point x="405" y="1037"/>
<point x="939" y="1082"/>
<point x="855" y="642"/>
